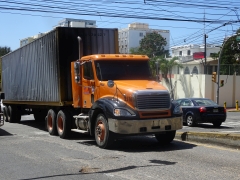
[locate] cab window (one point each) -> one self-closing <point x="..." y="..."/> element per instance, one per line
<point x="87" y="71"/>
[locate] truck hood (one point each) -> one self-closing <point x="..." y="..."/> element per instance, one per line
<point x="134" y="85"/>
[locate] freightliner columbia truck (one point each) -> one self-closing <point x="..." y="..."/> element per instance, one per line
<point x="76" y="80"/>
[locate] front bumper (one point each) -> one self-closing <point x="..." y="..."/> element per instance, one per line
<point x="145" y="125"/>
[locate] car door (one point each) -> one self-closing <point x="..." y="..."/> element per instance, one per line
<point x="186" y="106"/>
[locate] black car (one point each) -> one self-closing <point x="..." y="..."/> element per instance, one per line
<point x="201" y="110"/>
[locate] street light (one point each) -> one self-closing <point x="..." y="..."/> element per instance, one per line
<point x="219" y="59"/>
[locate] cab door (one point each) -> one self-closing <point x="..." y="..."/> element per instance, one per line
<point x="87" y="84"/>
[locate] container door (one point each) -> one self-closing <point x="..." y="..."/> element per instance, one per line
<point x="87" y="85"/>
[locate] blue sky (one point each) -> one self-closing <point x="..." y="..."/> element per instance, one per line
<point x="22" y="18"/>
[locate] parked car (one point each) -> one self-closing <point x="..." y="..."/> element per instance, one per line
<point x="201" y="110"/>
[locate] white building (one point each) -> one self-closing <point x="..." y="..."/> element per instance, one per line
<point x="193" y="52"/>
<point x="130" y="37"/>
<point x="67" y="22"/>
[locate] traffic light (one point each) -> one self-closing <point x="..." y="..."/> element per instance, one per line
<point x="222" y="83"/>
<point x="214" y="75"/>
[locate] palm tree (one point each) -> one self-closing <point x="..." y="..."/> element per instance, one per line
<point x="166" y="68"/>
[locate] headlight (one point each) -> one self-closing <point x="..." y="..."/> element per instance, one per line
<point x="122" y="112"/>
<point x="177" y="110"/>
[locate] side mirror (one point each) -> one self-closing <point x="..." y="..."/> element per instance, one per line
<point x="110" y="83"/>
<point x="77" y="71"/>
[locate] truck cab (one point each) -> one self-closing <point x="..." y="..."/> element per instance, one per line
<point x="119" y="96"/>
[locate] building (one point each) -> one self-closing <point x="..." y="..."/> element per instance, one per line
<point x="193" y="52"/>
<point x="63" y="23"/>
<point x="67" y="22"/>
<point x="27" y="40"/>
<point x="130" y="37"/>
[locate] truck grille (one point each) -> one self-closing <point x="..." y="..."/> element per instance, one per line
<point x="148" y="100"/>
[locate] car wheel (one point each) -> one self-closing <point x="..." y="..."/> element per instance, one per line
<point x="217" y="124"/>
<point x="190" y="121"/>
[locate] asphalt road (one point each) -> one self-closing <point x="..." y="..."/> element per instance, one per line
<point x="27" y="151"/>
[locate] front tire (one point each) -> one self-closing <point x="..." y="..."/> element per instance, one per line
<point x="51" y="122"/>
<point x="63" y="124"/>
<point x="104" y="138"/>
<point x="166" y="138"/>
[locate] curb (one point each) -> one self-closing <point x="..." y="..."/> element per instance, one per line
<point x="230" y="140"/>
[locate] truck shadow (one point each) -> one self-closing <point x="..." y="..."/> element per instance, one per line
<point x="4" y="133"/>
<point x="126" y="144"/>
<point x="141" y="144"/>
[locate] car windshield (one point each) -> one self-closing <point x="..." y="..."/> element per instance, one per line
<point x="122" y="70"/>
<point x="204" y="102"/>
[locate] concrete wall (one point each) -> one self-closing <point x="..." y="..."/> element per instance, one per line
<point x="199" y="85"/>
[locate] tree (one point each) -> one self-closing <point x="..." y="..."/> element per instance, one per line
<point x="153" y="45"/>
<point x="4" y="50"/>
<point x="229" y="54"/>
<point x="166" y="67"/>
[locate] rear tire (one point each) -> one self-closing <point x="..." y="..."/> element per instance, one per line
<point x="104" y="138"/>
<point x="217" y="124"/>
<point x="14" y="115"/>
<point x="167" y="138"/>
<point x="51" y="122"/>
<point x="190" y="121"/>
<point x="63" y="124"/>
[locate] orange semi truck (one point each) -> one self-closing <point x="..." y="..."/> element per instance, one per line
<point x="76" y="80"/>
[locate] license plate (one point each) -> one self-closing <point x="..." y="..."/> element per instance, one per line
<point x="215" y="110"/>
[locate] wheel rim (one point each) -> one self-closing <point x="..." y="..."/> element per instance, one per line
<point x="189" y="120"/>
<point x="50" y="124"/>
<point x="60" y="124"/>
<point x="100" y="131"/>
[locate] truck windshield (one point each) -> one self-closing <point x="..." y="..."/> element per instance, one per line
<point x="122" y="70"/>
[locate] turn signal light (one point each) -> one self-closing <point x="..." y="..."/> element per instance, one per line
<point x="202" y="109"/>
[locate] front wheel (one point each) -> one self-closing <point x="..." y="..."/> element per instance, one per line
<point x="165" y="138"/>
<point x="104" y="138"/>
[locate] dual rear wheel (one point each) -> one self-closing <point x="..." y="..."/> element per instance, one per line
<point x="59" y="123"/>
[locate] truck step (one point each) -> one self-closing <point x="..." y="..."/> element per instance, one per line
<point x="80" y="131"/>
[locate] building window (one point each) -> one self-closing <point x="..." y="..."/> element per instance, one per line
<point x="188" y="52"/>
<point x="186" y="70"/>
<point x="180" y="53"/>
<point x="141" y="34"/>
<point x="195" y="70"/>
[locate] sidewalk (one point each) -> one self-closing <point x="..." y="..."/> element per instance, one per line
<point x="231" y="140"/>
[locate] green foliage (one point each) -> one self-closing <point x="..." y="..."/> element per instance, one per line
<point x="153" y="45"/>
<point x="229" y="54"/>
<point x="4" y="50"/>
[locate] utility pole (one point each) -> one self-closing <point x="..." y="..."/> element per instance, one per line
<point x="205" y="53"/>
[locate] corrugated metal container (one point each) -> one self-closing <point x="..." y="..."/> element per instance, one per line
<point x="40" y="73"/>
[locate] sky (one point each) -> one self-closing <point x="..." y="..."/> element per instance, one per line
<point x="187" y="20"/>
